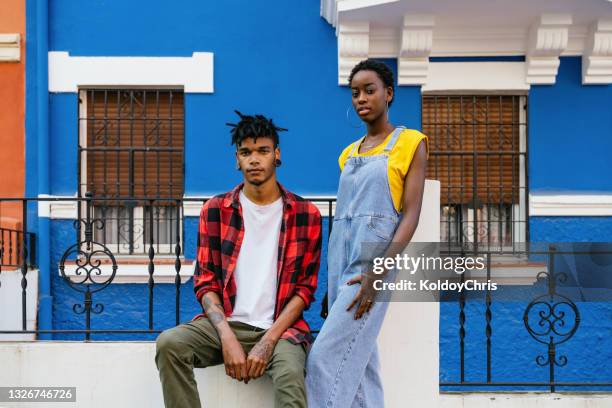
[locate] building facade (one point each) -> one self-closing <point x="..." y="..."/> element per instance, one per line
<point x="125" y="117"/>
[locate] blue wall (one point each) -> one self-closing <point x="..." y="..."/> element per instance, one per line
<point x="570" y="133"/>
<point x="514" y="351"/>
<point x="281" y="60"/>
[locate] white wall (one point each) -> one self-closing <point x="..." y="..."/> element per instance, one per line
<point x="123" y="375"/>
<point x="10" y="303"/>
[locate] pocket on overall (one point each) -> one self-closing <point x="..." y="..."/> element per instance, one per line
<point x="382" y="227"/>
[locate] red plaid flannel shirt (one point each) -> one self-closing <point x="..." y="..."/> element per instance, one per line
<point x="220" y="235"/>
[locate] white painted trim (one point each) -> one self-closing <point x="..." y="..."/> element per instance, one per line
<point x="597" y="58"/>
<point x="194" y="74"/>
<point x="476" y="76"/>
<point x="570" y="204"/>
<point x="353" y="46"/>
<point x="539" y="205"/>
<point x="349" y="5"/>
<point x="554" y="33"/>
<point x="57" y="209"/>
<point x="139" y="273"/>
<point x="10" y="51"/>
<point x="548" y="38"/>
<point x="471" y="41"/>
<point x="192" y="208"/>
<point x="415" y="48"/>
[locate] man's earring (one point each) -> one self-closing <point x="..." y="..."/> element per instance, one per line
<point x="278" y="162"/>
<point x="238" y="166"/>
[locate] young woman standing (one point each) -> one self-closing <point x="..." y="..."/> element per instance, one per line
<point x="378" y="202"/>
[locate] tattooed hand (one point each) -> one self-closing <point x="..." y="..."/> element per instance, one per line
<point x="259" y="356"/>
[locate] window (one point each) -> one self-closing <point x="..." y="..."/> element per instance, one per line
<point x="478" y="152"/>
<point x="131" y="148"/>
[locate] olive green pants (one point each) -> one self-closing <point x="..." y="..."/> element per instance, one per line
<point x="197" y="344"/>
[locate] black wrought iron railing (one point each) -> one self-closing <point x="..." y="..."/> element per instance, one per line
<point x="550" y="319"/>
<point x="12" y="243"/>
<point x="89" y="265"/>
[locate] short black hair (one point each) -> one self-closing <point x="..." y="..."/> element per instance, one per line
<point x="254" y="126"/>
<point x="382" y="70"/>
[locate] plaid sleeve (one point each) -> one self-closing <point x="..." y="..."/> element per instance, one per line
<point x="204" y="279"/>
<point x="306" y="283"/>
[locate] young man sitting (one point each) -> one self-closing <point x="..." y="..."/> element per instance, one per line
<point x="258" y="257"/>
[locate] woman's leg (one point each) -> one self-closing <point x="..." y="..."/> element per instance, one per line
<point x="338" y="359"/>
<point x="370" y="391"/>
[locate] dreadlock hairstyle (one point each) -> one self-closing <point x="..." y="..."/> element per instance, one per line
<point x="254" y="126"/>
<point x="382" y="70"/>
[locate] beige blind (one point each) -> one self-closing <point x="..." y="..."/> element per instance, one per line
<point x="135" y="141"/>
<point x="474" y="147"/>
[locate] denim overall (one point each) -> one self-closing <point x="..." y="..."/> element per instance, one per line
<point x="343" y="364"/>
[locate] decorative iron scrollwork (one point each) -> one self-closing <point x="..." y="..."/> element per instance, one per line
<point x="552" y="318"/>
<point x="89" y="257"/>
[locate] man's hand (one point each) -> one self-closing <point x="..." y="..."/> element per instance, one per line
<point x="234" y="359"/>
<point x="258" y="358"/>
<point x="365" y="297"/>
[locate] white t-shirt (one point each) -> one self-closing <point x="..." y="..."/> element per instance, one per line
<point x="256" y="267"/>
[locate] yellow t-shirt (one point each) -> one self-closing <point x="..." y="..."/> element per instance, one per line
<point x="400" y="158"/>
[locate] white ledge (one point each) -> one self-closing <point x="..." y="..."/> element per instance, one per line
<point x="137" y="272"/>
<point x="67" y="210"/>
<point x="570" y="204"/>
<point x="476" y="76"/>
<point x="194" y="74"/>
<point x="9" y="48"/>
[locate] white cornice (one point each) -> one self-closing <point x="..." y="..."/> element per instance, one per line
<point x="548" y="38"/>
<point x="353" y="46"/>
<point x="538" y="32"/>
<point x="9" y="48"/>
<point x="597" y="59"/>
<point x="570" y="204"/>
<point x="416" y="43"/>
<point x="194" y="74"/>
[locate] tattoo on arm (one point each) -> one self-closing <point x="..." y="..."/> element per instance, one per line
<point x="214" y="311"/>
<point x="263" y="349"/>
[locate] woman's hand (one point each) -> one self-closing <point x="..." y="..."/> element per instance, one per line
<point x="365" y="297"/>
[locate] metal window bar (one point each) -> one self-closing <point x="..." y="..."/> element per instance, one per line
<point x="477" y="150"/>
<point x="131" y="143"/>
